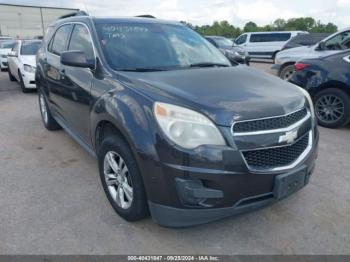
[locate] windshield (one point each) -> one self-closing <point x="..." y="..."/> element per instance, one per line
<point x="223" y="42"/>
<point x="30" y="48"/>
<point x="153" y="45"/>
<point x="7" y="45"/>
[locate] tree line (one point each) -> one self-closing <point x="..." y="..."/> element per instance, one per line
<point x="224" y="28"/>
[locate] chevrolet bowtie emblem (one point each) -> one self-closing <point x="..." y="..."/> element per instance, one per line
<point x="289" y="137"/>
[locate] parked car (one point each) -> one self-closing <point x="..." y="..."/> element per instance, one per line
<point x="327" y="80"/>
<point x="305" y="40"/>
<point x="5" y="38"/>
<point x="265" y="44"/>
<point x="5" y="48"/>
<point x="176" y="129"/>
<point x="235" y="54"/>
<point x="285" y="60"/>
<point x="21" y="63"/>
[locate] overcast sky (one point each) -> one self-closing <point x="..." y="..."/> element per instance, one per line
<point x="200" y="12"/>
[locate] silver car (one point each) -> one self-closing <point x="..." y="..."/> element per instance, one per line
<point x="285" y="60"/>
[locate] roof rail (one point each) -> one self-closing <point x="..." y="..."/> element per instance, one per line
<point x="78" y="13"/>
<point x="146" y="16"/>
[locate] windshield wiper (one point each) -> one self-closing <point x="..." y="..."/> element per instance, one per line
<point x="208" y="64"/>
<point x="145" y="69"/>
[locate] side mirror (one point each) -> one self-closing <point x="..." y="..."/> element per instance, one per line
<point x="12" y="54"/>
<point x="76" y="59"/>
<point x="321" y="46"/>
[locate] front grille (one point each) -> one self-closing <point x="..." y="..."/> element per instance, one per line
<point x="270" y="123"/>
<point x="264" y="159"/>
<point x="4" y="64"/>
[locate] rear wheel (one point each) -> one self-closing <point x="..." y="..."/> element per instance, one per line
<point x="332" y="108"/>
<point x="121" y="179"/>
<point x="287" y="72"/>
<point x="48" y="120"/>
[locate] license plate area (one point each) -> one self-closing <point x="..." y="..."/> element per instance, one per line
<point x="289" y="183"/>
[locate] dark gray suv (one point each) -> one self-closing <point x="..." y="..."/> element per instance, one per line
<point x="177" y="130"/>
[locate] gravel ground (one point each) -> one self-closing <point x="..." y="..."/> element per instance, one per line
<point x="51" y="200"/>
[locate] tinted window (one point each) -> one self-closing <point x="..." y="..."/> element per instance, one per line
<point x="154" y="45"/>
<point x="60" y="39"/>
<point x="273" y="37"/>
<point x="81" y="41"/>
<point x="241" y="40"/>
<point x="30" y="48"/>
<point x="339" y="42"/>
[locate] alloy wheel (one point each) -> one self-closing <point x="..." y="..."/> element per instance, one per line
<point x="287" y="75"/>
<point x="43" y="108"/>
<point x="118" y="180"/>
<point x="330" y="108"/>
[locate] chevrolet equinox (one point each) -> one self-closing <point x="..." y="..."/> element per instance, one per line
<point x="178" y="131"/>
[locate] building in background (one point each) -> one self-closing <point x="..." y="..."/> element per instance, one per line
<point x="20" y="21"/>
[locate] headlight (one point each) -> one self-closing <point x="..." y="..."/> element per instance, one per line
<point x="29" y="69"/>
<point x="311" y="104"/>
<point x="185" y="127"/>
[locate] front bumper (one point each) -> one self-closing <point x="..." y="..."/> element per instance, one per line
<point x="29" y="80"/>
<point x="219" y="184"/>
<point x="3" y="63"/>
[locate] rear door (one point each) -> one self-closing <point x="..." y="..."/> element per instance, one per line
<point x="77" y="84"/>
<point x="53" y="71"/>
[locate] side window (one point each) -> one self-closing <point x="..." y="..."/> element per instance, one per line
<point x="339" y="42"/>
<point x="59" y="41"/>
<point x="283" y="37"/>
<point x="254" y="38"/>
<point x="241" y="40"/>
<point x="81" y="41"/>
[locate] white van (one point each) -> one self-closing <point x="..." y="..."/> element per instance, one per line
<point x="265" y="44"/>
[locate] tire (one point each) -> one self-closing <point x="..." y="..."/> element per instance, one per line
<point x="21" y="83"/>
<point x="332" y="108"/>
<point x="12" y="78"/>
<point x="113" y="147"/>
<point x="287" y="72"/>
<point x="3" y="69"/>
<point x="46" y="116"/>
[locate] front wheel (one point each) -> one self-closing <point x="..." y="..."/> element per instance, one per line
<point x="121" y="179"/>
<point x="12" y="78"/>
<point x="332" y="108"/>
<point x="21" y="83"/>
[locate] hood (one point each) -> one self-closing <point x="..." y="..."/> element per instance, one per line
<point x="28" y="60"/>
<point x="223" y="94"/>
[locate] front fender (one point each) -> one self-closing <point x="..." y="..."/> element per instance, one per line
<point x="131" y="114"/>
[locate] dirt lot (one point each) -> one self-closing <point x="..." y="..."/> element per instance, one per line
<point x="51" y="200"/>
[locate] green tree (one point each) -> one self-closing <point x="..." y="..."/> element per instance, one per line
<point x="301" y="23"/>
<point x="279" y="24"/>
<point x="250" y="27"/>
